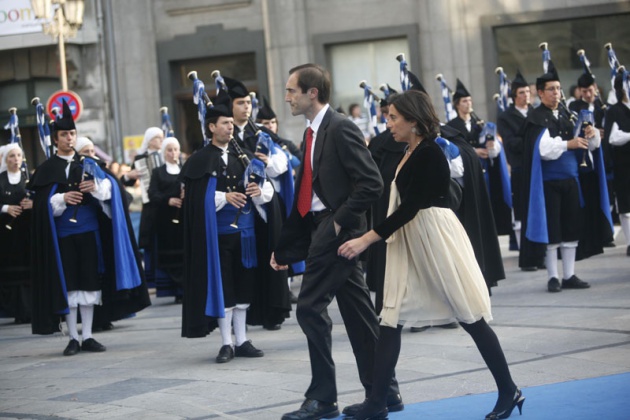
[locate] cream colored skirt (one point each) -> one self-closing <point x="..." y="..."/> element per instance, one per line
<point x="431" y="274"/>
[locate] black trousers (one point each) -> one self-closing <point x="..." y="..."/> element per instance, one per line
<point x="328" y="276"/>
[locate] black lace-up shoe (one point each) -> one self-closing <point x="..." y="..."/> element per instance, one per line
<point x="72" y="348"/>
<point x="92" y="345"/>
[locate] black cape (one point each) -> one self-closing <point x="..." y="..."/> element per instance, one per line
<point x="49" y="302"/>
<point x="271" y="304"/>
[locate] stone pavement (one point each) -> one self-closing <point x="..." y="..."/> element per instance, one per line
<point x="150" y="372"/>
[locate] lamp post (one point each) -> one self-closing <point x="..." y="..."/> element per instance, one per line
<point x="68" y="17"/>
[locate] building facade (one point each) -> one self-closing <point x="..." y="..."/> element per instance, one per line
<point x="132" y="57"/>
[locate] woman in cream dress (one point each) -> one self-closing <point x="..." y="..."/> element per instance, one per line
<point x="431" y="274"/>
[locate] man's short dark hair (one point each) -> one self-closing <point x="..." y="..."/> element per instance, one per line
<point x="314" y="76"/>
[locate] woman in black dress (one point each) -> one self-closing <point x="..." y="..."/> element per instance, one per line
<point x="431" y="273"/>
<point x="165" y="196"/>
<point x="15" y="235"/>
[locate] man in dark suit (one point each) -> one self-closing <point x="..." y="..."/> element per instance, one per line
<point x="336" y="184"/>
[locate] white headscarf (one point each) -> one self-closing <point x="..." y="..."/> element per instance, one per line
<point x="82" y="142"/>
<point x="149" y="134"/>
<point x="166" y="142"/>
<point x="5" y="153"/>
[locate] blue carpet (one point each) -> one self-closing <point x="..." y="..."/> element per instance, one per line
<point x="592" y="399"/>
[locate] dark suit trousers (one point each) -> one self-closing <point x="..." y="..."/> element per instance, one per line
<point x="327" y="276"/>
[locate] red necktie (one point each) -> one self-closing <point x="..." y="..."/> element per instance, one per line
<point x="305" y="196"/>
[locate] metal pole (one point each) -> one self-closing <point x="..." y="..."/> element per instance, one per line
<point x="62" y="51"/>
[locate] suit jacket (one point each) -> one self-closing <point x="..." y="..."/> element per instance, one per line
<point x="345" y="178"/>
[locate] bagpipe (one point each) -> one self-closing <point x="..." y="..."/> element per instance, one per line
<point x="368" y="101"/>
<point x="252" y="166"/>
<point x="264" y="143"/>
<point x="43" y="128"/>
<point x="615" y="69"/>
<point x="447" y="92"/>
<point x="90" y="171"/>
<point x="503" y="97"/>
<point x="546" y="57"/>
<point x="166" y="126"/>
<point x="587" y="69"/>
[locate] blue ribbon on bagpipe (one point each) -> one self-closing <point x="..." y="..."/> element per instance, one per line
<point x="504" y="91"/>
<point x="546" y="56"/>
<point x="446" y="97"/>
<point x="43" y="129"/>
<point x="14" y="126"/>
<point x="450" y="150"/>
<point x="489" y="133"/>
<point x="404" y="76"/>
<point x="167" y="126"/>
<point x="266" y="146"/>
<point x="255" y="106"/>
<point x="199" y="94"/>
<point x="368" y="102"/>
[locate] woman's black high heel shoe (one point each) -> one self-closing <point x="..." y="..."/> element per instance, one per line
<point x="518" y="401"/>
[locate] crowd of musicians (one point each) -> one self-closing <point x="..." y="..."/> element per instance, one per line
<point x="554" y="178"/>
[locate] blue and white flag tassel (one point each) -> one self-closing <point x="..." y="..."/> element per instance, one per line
<point x="504" y="91"/>
<point x="404" y="76"/>
<point x="254" y="105"/>
<point x="167" y="127"/>
<point x="43" y="129"/>
<point x="199" y="93"/>
<point x="368" y="102"/>
<point x="13" y="125"/>
<point x="546" y="57"/>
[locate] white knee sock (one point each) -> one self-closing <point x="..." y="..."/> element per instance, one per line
<point x="71" y="322"/>
<point x="516" y="225"/>
<point x="225" y="326"/>
<point x="568" y="261"/>
<point x="87" y="316"/>
<point x="551" y="260"/>
<point x="625" y="226"/>
<point x="239" y="322"/>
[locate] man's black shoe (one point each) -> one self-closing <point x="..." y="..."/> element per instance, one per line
<point x="449" y="326"/>
<point x="92" y="345"/>
<point x="272" y="327"/>
<point x="72" y="348"/>
<point x="247" y="349"/>
<point x="529" y="268"/>
<point x="313" y="410"/>
<point x="628" y="251"/>
<point x="575" y="283"/>
<point x="394" y="404"/>
<point x="553" y="285"/>
<point x="610" y="244"/>
<point x="226" y="353"/>
<point x="419" y="329"/>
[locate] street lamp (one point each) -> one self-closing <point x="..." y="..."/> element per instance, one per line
<point x="68" y="17"/>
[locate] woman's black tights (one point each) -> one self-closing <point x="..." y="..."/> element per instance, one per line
<point x="387" y="352"/>
<point x="490" y="349"/>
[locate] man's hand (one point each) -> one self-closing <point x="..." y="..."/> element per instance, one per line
<point x="275" y="265"/>
<point x="253" y="190"/>
<point x="87" y="186"/>
<point x="14" y="211"/>
<point x="236" y="199"/>
<point x="73" y="197"/>
<point x="175" y="202"/>
<point x="590" y="131"/>
<point x="26" y="203"/>
<point x="577" y="143"/>
<point x="481" y="152"/>
<point x="263" y="157"/>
